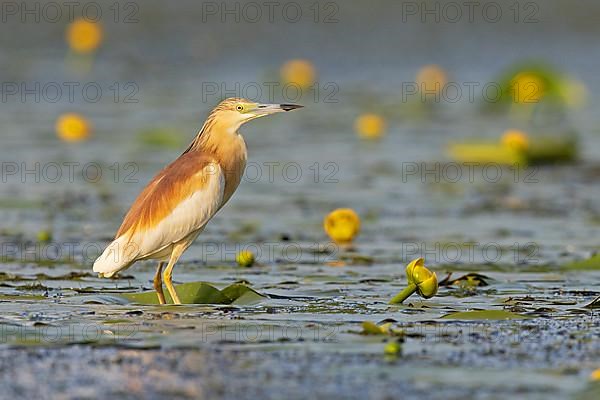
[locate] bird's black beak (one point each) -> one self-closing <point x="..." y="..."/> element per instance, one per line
<point x="266" y="109"/>
<point x="290" y="107"/>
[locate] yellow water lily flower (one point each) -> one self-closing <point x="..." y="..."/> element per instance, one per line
<point x="72" y="127"/>
<point x="245" y="258"/>
<point x="431" y="78"/>
<point x="426" y="281"/>
<point x="370" y="126"/>
<point x="84" y="36"/>
<point x="420" y="280"/>
<point x="298" y="72"/>
<point x="342" y="225"/>
<point x="527" y="87"/>
<point x="595" y="375"/>
<point x="515" y="139"/>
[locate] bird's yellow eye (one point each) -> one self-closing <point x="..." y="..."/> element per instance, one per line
<point x="239" y="107"/>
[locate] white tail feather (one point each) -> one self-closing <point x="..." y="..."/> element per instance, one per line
<point x="118" y="255"/>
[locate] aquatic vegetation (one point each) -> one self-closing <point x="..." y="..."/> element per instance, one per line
<point x="370" y="126"/>
<point x="72" y="127"/>
<point x="342" y="225"/>
<point x="44" y="235"/>
<point x="486" y="153"/>
<point x="472" y="279"/>
<point x="515" y="139"/>
<point x="202" y="293"/>
<point x="517" y="148"/>
<point x="420" y="280"/>
<point x="84" y="36"/>
<point x="392" y="348"/>
<point x="385" y="329"/>
<point x="532" y="83"/>
<point x="245" y="258"/>
<point x="484" y="315"/>
<point x="431" y="79"/>
<point x="298" y="72"/>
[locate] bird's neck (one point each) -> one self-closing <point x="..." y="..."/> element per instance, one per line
<point x="228" y="149"/>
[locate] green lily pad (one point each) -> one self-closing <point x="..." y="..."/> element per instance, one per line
<point x="590" y="263"/>
<point x="484" y="315"/>
<point x="544" y="149"/>
<point x="202" y="293"/>
<point x="240" y="294"/>
<point x="483" y="153"/>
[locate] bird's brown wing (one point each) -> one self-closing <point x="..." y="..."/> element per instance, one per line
<point x="188" y="174"/>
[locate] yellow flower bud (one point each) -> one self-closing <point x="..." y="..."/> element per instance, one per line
<point x="370" y="126"/>
<point x="420" y="280"/>
<point x="426" y="281"/>
<point x="515" y="139"/>
<point x="298" y="72"/>
<point x="245" y="258"/>
<point x="342" y="225"/>
<point x="72" y="127"/>
<point x="432" y="79"/>
<point x="527" y="87"/>
<point x="392" y="348"/>
<point x="84" y="36"/>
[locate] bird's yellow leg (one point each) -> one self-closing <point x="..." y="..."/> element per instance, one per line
<point x="178" y="249"/>
<point x="158" y="283"/>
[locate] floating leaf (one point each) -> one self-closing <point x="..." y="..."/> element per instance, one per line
<point x="484" y="153"/>
<point x="240" y="294"/>
<point x="202" y="293"/>
<point x="591" y="263"/>
<point x="484" y="315"/>
<point x="472" y="279"/>
<point x="545" y="149"/>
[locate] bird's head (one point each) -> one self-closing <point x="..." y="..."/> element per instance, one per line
<point x="234" y="112"/>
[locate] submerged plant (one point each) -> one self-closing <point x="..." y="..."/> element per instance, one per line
<point x="420" y="280"/>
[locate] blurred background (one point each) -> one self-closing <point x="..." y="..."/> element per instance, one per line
<point x="464" y="133"/>
<point x="143" y="76"/>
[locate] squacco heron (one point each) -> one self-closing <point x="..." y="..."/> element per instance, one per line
<point x="180" y="200"/>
